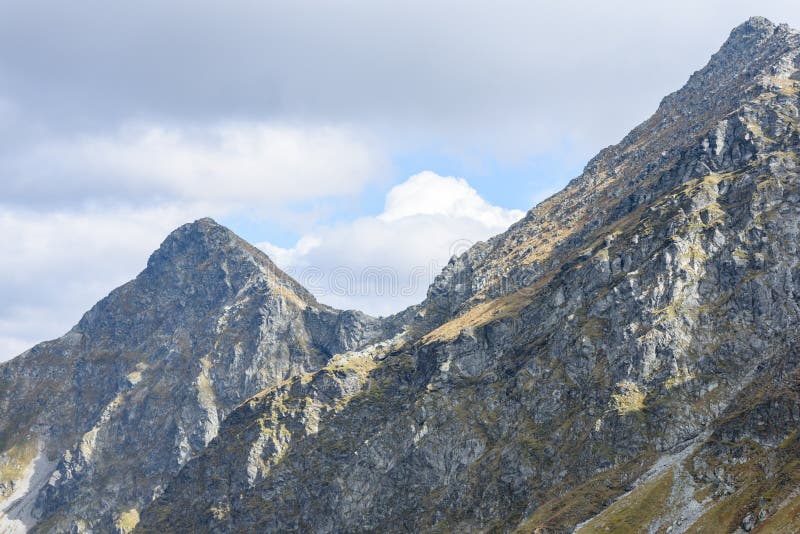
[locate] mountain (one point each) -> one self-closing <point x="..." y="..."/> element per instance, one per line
<point x="111" y="411"/>
<point x="628" y="334"/>
<point x="623" y="359"/>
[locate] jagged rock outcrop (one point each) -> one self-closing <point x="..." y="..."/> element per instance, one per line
<point x="623" y="359"/>
<point x="143" y="381"/>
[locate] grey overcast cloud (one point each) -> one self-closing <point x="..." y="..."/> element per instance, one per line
<point x="314" y="129"/>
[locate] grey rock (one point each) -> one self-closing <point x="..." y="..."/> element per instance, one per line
<point x="748" y="522"/>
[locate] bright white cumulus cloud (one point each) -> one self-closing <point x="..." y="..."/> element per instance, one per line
<point x="381" y="264"/>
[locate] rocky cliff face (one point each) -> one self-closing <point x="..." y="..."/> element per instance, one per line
<point x="142" y="383"/>
<point x="623" y="359"/>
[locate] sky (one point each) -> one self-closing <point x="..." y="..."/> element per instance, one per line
<point x="359" y="143"/>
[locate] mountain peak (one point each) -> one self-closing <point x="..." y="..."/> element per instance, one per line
<point x="755" y="24"/>
<point x="196" y="242"/>
<point x="205" y="224"/>
<point x="749" y="34"/>
<point x="200" y="268"/>
<point x="204" y="245"/>
<point x="202" y="229"/>
<point x="751" y="47"/>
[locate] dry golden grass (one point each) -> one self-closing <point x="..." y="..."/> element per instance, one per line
<point x="786" y="520"/>
<point x="288" y="295"/>
<point x="629" y="399"/>
<point x="784" y="86"/>
<point x="127" y="521"/>
<point x="487" y="312"/>
<point x="634" y="512"/>
<point x="577" y="503"/>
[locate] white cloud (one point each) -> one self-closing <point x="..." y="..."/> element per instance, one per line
<point x="518" y="76"/>
<point x="56" y="266"/>
<point x="384" y="263"/>
<point x="429" y="194"/>
<point x="231" y="164"/>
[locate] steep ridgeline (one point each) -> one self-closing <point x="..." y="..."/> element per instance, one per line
<point x="624" y="359"/>
<point x="94" y="425"/>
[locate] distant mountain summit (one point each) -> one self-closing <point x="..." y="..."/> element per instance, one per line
<point x="623" y="359"/>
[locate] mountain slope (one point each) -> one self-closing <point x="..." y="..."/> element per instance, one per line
<point x="625" y="355"/>
<point x="140" y="385"/>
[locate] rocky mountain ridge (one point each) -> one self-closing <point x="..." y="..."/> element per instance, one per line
<point x="623" y="359"/>
<point x="597" y="343"/>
